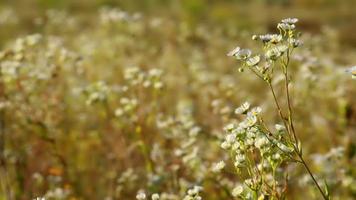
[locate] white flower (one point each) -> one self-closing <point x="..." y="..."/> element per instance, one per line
<point x="253" y="61"/>
<point x="243" y="54"/>
<point x="251" y="120"/>
<point x="240" y="54"/>
<point x="286" y="27"/>
<point x="225" y="145"/>
<point x="260" y="142"/>
<point x="141" y="195"/>
<point x="155" y="196"/>
<point x="217" y="167"/>
<point x="230" y="138"/>
<point x="279" y="127"/>
<point x="239" y="160"/>
<point x="238" y="190"/>
<point x="352" y="71"/>
<point x="243" y="108"/>
<point x="273" y="38"/>
<point x="284" y="147"/>
<point x="229" y="127"/>
<point x="255" y="111"/>
<point x="290" y="20"/>
<point x="234" y="51"/>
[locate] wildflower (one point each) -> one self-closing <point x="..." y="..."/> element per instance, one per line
<point x="237" y="191"/>
<point x="279" y="127"/>
<point x="352" y="71"/>
<point x="230" y="138"/>
<point x="243" y="108"/>
<point x="273" y="38"/>
<point x="234" y="51"/>
<point x="155" y="196"/>
<point x="261" y="142"/>
<point x="255" y="111"/>
<point x="284" y="147"/>
<point x="243" y="54"/>
<point x="251" y="120"/>
<point x="225" y="145"/>
<point x="217" y="167"/>
<point x="239" y="160"/>
<point x="286" y="27"/>
<point x="229" y="127"/>
<point x="290" y="20"/>
<point x="193" y="194"/>
<point x="253" y="61"/>
<point x="295" y="43"/>
<point x="141" y="195"/>
<point x="275" y="52"/>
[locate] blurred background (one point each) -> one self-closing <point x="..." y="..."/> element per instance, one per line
<point x="101" y="99"/>
<point x="242" y="14"/>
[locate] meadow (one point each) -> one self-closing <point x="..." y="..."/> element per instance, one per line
<point x="172" y="100"/>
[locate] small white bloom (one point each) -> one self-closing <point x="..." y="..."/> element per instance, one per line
<point x="261" y="141"/>
<point x="352" y="71"/>
<point x="230" y="138"/>
<point x="234" y="51"/>
<point x="243" y="54"/>
<point x="238" y="190"/>
<point x="243" y="108"/>
<point x="290" y="20"/>
<point x="225" y="145"/>
<point x="155" y="196"/>
<point x="253" y="61"/>
<point x="255" y="111"/>
<point x="279" y="127"/>
<point x="229" y="127"/>
<point x="217" y="167"/>
<point x="141" y="195"/>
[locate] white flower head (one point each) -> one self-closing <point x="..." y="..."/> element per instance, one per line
<point x="279" y="127"/>
<point x="285" y="26"/>
<point x="251" y="120"/>
<point x="243" y="108"/>
<point x="290" y="20"/>
<point x="352" y="71"/>
<point x="234" y="51"/>
<point x="217" y="167"/>
<point x="155" y="196"/>
<point x="273" y="38"/>
<point x="243" y="54"/>
<point x="225" y="145"/>
<point x="253" y="61"/>
<point x="255" y="111"/>
<point x="141" y="195"/>
<point x="237" y="191"/>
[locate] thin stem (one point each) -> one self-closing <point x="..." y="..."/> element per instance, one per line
<point x="290" y="120"/>
<point x="312" y="176"/>
<point x="286" y="84"/>
<point x="278" y="107"/>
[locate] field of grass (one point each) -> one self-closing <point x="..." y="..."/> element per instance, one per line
<point x="105" y="99"/>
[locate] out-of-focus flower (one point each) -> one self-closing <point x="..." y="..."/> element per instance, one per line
<point x="253" y="61"/>
<point x="237" y="191"/>
<point x="155" y="196"/>
<point x="243" y="108"/>
<point x="141" y="195"/>
<point x="234" y="51"/>
<point x="217" y="167"/>
<point x="290" y="20"/>
<point x="352" y="71"/>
